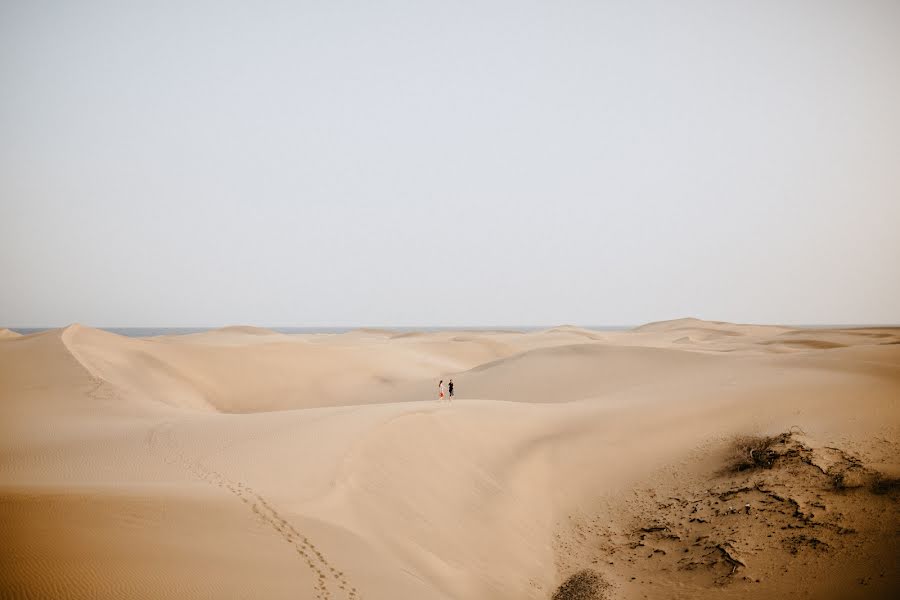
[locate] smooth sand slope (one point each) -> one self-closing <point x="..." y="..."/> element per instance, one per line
<point x="242" y="463"/>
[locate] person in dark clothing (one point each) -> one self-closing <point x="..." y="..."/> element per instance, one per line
<point x="450" y="388"/>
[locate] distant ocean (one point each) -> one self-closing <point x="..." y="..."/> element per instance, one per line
<point x="154" y="331"/>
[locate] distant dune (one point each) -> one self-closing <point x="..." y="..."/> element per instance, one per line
<point x="682" y="459"/>
<point x="676" y="324"/>
<point x="247" y="330"/>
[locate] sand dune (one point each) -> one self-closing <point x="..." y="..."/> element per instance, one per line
<point x="247" y="463"/>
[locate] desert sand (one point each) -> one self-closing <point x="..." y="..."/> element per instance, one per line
<point x="683" y="459"/>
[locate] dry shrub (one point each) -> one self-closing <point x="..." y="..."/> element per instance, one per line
<point x="583" y="585"/>
<point x="882" y="484"/>
<point x="755" y="452"/>
<point x="849" y="478"/>
<point x="838" y="481"/>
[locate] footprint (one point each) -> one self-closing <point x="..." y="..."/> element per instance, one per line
<point x="263" y="511"/>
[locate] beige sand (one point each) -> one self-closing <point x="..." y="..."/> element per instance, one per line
<point x="243" y="463"/>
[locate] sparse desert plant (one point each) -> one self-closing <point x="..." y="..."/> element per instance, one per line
<point x="850" y="474"/>
<point x="838" y="481"/>
<point x="755" y="452"/>
<point x="583" y="585"/>
<point x="881" y="484"/>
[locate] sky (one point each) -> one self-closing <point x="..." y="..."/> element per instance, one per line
<point x="449" y="163"/>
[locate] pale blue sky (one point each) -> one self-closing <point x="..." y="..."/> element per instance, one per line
<point x="449" y="163"/>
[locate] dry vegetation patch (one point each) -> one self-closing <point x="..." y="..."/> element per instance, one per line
<point x="778" y="503"/>
<point x="749" y="452"/>
<point x="583" y="585"/>
<point x="882" y="484"/>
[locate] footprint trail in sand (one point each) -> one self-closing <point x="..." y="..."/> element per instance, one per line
<point x="327" y="576"/>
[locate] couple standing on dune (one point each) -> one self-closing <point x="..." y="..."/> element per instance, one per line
<point x="441" y="390"/>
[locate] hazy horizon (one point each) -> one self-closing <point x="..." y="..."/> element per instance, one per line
<point x="348" y="163"/>
<point x="146" y="331"/>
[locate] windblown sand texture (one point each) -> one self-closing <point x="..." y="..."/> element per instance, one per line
<point x="242" y="463"/>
